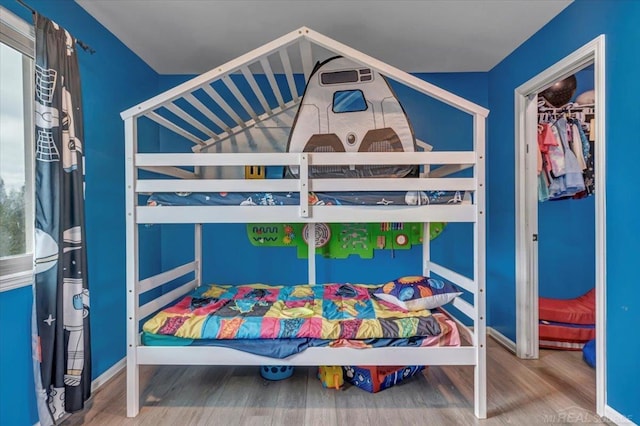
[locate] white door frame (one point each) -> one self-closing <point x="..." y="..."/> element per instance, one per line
<point x="527" y="200"/>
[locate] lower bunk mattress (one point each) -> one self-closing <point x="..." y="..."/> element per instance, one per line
<point x="407" y="198"/>
<point x="279" y="321"/>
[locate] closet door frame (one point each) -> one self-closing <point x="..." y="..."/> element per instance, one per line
<point x="526" y="209"/>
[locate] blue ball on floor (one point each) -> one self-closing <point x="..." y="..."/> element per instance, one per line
<point x="589" y="353"/>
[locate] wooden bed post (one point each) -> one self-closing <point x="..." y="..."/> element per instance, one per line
<point x="133" y="376"/>
<point x="479" y="322"/>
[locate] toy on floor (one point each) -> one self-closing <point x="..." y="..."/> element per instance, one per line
<point x="567" y="323"/>
<point x="589" y="353"/>
<point x="375" y="379"/>
<point x="276" y="372"/>
<point x="331" y="376"/>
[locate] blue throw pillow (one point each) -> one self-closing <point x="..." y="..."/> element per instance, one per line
<point x="417" y="293"/>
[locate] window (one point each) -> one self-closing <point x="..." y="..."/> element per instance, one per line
<point x="339" y="77"/>
<point x="16" y="145"/>
<point x="349" y="101"/>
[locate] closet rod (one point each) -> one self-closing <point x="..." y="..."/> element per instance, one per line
<point x="565" y="108"/>
<point x="79" y="42"/>
<point x="543" y="103"/>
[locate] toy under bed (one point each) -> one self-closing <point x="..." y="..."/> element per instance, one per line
<point x="411" y="198"/>
<point x="279" y="321"/>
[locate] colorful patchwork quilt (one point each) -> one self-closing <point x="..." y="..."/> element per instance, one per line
<point x="257" y="311"/>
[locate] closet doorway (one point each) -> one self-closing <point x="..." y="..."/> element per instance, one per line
<point x="527" y="226"/>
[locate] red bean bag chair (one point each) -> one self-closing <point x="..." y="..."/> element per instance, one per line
<point x="567" y="323"/>
<point x="558" y="335"/>
<point x="581" y="310"/>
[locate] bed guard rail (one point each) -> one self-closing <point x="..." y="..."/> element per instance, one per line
<point x="449" y="162"/>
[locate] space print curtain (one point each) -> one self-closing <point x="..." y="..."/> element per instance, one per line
<point x="62" y="356"/>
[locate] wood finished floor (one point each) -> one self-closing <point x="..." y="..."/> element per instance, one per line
<point x="559" y="388"/>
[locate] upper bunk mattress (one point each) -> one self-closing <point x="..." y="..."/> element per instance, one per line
<point x="372" y="198"/>
<point x="257" y="311"/>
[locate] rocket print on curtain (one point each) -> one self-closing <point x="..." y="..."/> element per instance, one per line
<point x="62" y="356"/>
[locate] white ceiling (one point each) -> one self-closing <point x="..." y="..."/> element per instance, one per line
<point x="193" y="36"/>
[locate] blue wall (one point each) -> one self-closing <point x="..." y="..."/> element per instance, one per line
<point x="113" y="79"/>
<point x="17" y="399"/>
<point x="581" y="22"/>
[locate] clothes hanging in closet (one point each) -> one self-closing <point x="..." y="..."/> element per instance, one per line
<point x="565" y="159"/>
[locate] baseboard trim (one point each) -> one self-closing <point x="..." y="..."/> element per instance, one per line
<point x="502" y="339"/>
<point x="108" y="375"/>
<point x="103" y="378"/>
<point x="615" y="417"/>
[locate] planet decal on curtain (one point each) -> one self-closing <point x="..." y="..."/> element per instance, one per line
<point x="46" y="251"/>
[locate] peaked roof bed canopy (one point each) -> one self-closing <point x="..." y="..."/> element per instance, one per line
<point x="211" y="111"/>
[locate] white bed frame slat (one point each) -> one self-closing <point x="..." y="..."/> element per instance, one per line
<point x="304" y="184"/>
<point x="256" y="89"/>
<point x="381" y="184"/>
<point x="456" y="278"/>
<point x="470" y="210"/>
<point x="426" y="248"/>
<point x="316" y="158"/>
<point x="203" y="355"/>
<point x="464" y="307"/>
<point x="217" y="185"/>
<point x="288" y="72"/>
<point x="306" y="57"/>
<point x="448" y="169"/>
<point x="228" y="81"/>
<point x="224" y="105"/>
<point x="165" y="277"/>
<point x="197" y="253"/>
<point x="174" y="127"/>
<point x="290" y="185"/>
<point x="169" y="171"/>
<point x="249" y="124"/>
<point x="323" y="214"/>
<point x="195" y="102"/>
<point x="179" y="112"/>
<point x="271" y="78"/>
<point x="311" y="253"/>
<point x="162" y="301"/>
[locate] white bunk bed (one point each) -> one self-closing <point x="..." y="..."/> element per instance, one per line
<point x="296" y="50"/>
